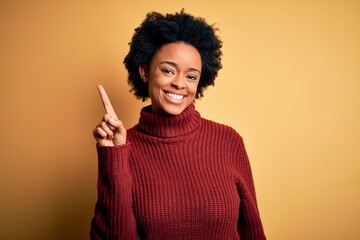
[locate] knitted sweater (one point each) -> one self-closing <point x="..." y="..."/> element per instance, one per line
<point x="177" y="177"/>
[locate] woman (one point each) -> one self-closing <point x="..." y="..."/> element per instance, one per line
<point x="174" y="175"/>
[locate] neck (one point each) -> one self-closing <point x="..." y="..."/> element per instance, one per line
<point x="168" y="126"/>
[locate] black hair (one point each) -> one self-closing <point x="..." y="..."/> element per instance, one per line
<point x="158" y="29"/>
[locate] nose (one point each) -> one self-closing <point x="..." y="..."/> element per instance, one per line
<point x="178" y="82"/>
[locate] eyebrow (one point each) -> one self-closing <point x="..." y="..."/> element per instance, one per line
<point x="175" y="65"/>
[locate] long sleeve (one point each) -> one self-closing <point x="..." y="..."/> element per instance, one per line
<point x="179" y="177"/>
<point x="113" y="217"/>
<point x="249" y="223"/>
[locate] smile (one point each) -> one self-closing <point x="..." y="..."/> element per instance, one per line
<point x="174" y="96"/>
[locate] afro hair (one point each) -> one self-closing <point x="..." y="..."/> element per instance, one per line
<point x="158" y="29"/>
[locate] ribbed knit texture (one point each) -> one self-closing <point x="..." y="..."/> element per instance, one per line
<point x="177" y="177"/>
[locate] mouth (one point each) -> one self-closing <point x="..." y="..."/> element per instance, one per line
<point x="175" y="97"/>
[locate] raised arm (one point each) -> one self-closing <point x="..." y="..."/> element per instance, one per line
<point x="113" y="215"/>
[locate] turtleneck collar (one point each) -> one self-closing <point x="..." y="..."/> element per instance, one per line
<point x="168" y="126"/>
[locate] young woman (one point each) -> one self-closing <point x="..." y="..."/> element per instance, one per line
<point x="174" y="175"/>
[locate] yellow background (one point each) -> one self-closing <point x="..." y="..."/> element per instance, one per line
<point x="290" y="86"/>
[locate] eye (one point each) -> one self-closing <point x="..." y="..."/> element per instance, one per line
<point x="167" y="70"/>
<point x="192" y="77"/>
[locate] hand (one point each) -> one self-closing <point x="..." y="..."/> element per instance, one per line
<point x="110" y="131"/>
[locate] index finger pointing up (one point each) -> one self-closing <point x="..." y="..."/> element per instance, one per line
<point x="106" y="102"/>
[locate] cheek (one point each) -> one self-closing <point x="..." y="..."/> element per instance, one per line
<point x="158" y="80"/>
<point x="193" y="87"/>
<point x="155" y="86"/>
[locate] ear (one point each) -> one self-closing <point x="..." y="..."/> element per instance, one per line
<point x="143" y="70"/>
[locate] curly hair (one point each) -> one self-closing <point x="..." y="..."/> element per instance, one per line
<point x="157" y="30"/>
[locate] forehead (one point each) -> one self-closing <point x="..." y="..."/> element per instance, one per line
<point x="178" y="52"/>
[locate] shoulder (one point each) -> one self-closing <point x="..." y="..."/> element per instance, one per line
<point x="219" y="126"/>
<point x="226" y="139"/>
<point x="223" y="130"/>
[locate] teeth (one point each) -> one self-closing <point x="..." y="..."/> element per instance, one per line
<point x="172" y="95"/>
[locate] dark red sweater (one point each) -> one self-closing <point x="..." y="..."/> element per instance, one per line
<point x="177" y="177"/>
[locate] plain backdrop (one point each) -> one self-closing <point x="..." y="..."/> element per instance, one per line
<point x="290" y="86"/>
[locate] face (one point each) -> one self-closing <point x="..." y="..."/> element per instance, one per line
<point x="172" y="76"/>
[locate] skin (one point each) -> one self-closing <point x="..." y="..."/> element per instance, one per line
<point x="110" y="131"/>
<point x="174" y="70"/>
<point x="172" y="76"/>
